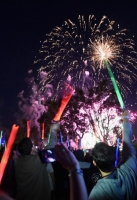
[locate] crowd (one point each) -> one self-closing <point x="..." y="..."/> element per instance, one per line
<point x="74" y="175"/>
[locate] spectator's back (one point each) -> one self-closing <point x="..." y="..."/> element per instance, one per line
<point x="32" y="178"/>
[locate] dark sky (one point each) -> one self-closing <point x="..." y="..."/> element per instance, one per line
<point x="23" y="24"/>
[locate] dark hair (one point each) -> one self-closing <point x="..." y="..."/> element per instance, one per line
<point x="25" y="146"/>
<point x="79" y="154"/>
<point x="104" y="156"/>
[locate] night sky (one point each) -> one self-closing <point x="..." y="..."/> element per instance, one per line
<point x="24" y="23"/>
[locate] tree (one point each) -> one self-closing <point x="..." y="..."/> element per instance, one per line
<point x="93" y="113"/>
<point x="88" y="113"/>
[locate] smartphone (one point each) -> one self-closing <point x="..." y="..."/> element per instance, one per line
<point x="47" y="155"/>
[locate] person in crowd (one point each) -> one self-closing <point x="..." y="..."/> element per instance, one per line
<point x="37" y="150"/>
<point x="91" y="172"/>
<point x="31" y="174"/>
<point x="51" y="178"/>
<point x="52" y="140"/>
<point x="77" y="184"/>
<point x="85" y="166"/>
<point x="79" y="154"/>
<point x="116" y="183"/>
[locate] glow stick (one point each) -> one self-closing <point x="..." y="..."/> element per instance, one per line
<point x="42" y="131"/>
<point x="64" y="103"/>
<point x="115" y="85"/>
<point x="28" y="128"/>
<point x="6" y="153"/>
<point x="117" y="148"/>
<point x="60" y="139"/>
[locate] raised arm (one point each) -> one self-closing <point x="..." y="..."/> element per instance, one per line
<point x="129" y="153"/>
<point x="127" y="129"/>
<point x="78" y="189"/>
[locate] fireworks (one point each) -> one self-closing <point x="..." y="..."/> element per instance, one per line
<point x="104" y="49"/>
<point x="75" y="54"/>
<point x="113" y="46"/>
<point x="70" y="50"/>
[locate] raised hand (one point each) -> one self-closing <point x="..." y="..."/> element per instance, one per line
<point x="66" y="157"/>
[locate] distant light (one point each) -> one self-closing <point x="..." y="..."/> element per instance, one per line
<point x="87" y="73"/>
<point x="85" y="62"/>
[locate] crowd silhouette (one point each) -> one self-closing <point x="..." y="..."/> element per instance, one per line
<point x="74" y="174"/>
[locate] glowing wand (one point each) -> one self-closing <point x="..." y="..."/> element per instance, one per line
<point x="117" y="152"/>
<point x="104" y="52"/>
<point x="115" y="85"/>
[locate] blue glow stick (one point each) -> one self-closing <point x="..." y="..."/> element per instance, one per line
<point x="117" y="152"/>
<point x="0" y="138"/>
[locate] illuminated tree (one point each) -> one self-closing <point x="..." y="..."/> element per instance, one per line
<point x="93" y="112"/>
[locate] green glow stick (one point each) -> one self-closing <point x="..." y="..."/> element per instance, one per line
<point x="115" y="85"/>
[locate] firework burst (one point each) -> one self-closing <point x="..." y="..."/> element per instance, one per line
<point x="114" y="46"/>
<point x="104" y="49"/>
<point x="70" y="50"/>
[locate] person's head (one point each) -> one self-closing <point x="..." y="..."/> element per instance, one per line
<point x="79" y="154"/>
<point x="25" y="146"/>
<point x="104" y="157"/>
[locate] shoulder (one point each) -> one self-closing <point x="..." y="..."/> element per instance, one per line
<point x="27" y="158"/>
<point x="97" y="191"/>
